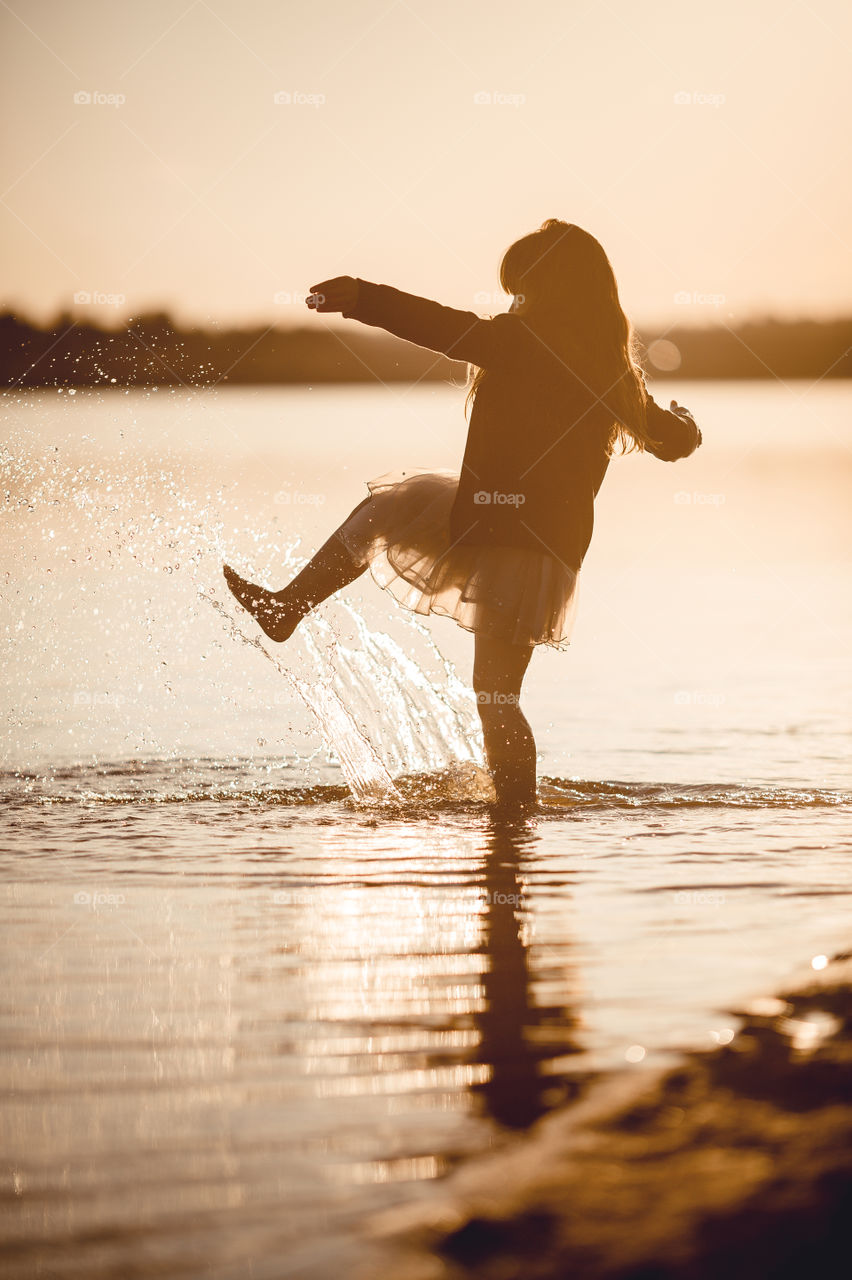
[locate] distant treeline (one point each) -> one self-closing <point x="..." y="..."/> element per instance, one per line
<point x="153" y="351"/>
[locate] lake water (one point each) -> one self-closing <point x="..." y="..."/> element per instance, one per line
<point x="242" y="1010"/>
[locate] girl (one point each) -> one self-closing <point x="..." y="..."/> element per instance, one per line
<point x="555" y="385"/>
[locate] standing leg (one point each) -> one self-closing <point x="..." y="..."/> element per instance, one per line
<point x="280" y="612"/>
<point x="498" y="672"/>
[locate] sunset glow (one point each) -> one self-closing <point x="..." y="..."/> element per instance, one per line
<point x="226" y="154"/>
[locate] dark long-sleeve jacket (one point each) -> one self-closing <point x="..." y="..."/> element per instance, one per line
<point x="537" y="444"/>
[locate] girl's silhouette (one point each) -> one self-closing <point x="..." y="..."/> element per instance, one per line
<point x="556" y="385"/>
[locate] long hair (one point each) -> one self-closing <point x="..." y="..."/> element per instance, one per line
<point x="565" y="290"/>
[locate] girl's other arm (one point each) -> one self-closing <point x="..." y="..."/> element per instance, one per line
<point x="675" y="430"/>
<point x="462" y="335"/>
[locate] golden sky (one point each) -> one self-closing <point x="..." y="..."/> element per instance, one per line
<point x="411" y="141"/>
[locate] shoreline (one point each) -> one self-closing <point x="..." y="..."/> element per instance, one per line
<point x="735" y="1163"/>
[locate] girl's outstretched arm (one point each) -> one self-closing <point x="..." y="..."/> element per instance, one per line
<point x="462" y="335"/>
<point x="675" y="430"/>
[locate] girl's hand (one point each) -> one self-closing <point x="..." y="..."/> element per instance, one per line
<point x="339" y="294"/>
<point x="681" y="411"/>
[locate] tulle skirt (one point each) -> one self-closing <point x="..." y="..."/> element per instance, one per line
<point x="523" y="596"/>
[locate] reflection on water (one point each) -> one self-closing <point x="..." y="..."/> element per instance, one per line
<point x="515" y="1034"/>
<point x="244" y="1013"/>
<point x="518" y="1034"/>
<point x="512" y="1091"/>
<point x="299" y="1001"/>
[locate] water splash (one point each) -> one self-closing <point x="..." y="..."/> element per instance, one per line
<point x="366" y="775"/>
<point x="113" y="569"/>
<point x="426" y="717"/>
<point x="412" y="722"/>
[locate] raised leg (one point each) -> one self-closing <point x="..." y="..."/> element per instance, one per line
<point x="498" y="672"/>
<point x="280" y="612"/>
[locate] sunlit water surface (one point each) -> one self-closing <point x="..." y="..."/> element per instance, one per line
<point x="270" y="964"/>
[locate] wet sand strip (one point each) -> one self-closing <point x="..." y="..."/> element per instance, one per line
<point x="736" y="1163"/>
